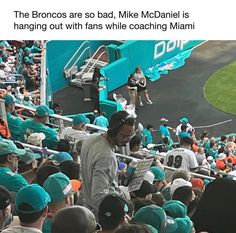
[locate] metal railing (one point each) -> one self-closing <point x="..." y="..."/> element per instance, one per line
<point x="126" y="157"/>
<point x="80" y="55"/>
<point x="59" y="117"/>
<point x="92" y="58"/>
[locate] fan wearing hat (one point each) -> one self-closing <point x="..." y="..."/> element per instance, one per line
<point x="13" y="120"/>
<point x="5" y="207"/>
<point x="77" y="132"/>
<point x="145" y="191"/>
<point x="31" y="207"/>
<point x="26" y="56"/>
<point x="36" y="139"/>
<point x="181" y="190"/>
<point x="221" y="162"/>
<point x="38" y="125"/>
<point x="99" y="168"/>
<point x="9" y="156"/>
<point x="28" y="164"/>
<point x="159" y="177"/>
<point x="112" y="212"/>
<point x="189" y="128"/>
<point x="60" y="189"/>
<point x="182" y="157"/>
<point x="164" y="130"/>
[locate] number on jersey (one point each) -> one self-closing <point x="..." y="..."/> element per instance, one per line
<point x="176" y="161"/>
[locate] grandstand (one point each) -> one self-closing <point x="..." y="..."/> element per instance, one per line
<point x="62" y="80"/>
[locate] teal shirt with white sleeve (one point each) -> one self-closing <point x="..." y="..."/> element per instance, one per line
<point x="29" y="126"/>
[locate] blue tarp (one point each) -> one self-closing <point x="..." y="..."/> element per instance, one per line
<point x="155" y="72"/>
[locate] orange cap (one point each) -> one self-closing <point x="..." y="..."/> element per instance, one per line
<point x="76" y="184"/>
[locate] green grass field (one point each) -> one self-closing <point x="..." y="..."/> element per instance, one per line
<point x="220" y="89"/>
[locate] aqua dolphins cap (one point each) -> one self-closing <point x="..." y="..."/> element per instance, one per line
<point x="43" y="110"/>
<point x="80" y="118"/>
<point x="9" y="147"/>
<point x="184" y="120"/>
<point x="8" y="99"/>
<point x="33" y="195"/>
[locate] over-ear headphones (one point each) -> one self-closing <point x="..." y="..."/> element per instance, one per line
<point x="118" y="119"/>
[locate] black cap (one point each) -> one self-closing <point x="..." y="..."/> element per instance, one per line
<point x="5" y="198"/>
<point x="113" y="206"/>
<point x="145" y="189"/>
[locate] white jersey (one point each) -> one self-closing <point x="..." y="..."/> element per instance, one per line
<point x="180" y="158"/>
<point x="189" y="129"/>
<point x="73" y="135"/>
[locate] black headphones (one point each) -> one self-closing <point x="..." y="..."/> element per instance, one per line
<point x="112" y="132"/>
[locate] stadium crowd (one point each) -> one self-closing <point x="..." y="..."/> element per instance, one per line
<point x="83" y="186"/>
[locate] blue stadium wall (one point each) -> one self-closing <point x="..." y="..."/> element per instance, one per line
<point x="123" y="60"/>
<point x="58" y="54"/>
<point x="141" y="53"/>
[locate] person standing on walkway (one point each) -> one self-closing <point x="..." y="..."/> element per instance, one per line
<point x="141" y="85"/>
<point x="132" y="89"/>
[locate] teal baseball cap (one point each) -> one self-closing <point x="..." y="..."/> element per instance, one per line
<point x="80" y="118"/>
<point x="152" y="229"/>
<point x="58" y="186"/>
<point x="27" y="49"/>
<point x="156" y="217"/>
<point x="184" y="120"/>
<point x="8" y="99"/>
<point x="9" y="147"/>
<point x="29" y="157"/>
<point x="158" y="173"/>
<point x="61" y="156"/>
<point x="43" y="110"/>
<point x="183" y="225"/>
<point x="175" y="209"/>
<point x="33" y="195"/>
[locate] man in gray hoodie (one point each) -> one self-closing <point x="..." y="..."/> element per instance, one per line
<point x="98" y="159"/>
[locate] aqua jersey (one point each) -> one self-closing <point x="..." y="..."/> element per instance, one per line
<point x="101" y="121"/>
<point x="30" y="126"/>
<point x="47" y="225"/>
<point x="147" y="137"/>
<point x="14" y="124"/>
<point x="165" y="133"/>
<point x="10" y="180"/>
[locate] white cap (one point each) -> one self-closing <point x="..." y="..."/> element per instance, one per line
<point x="35" y="138"/>
<point x="177" y="183"/>
<point x="210" y="158"/>
<point x="221" y="156"/>
<point x="149" y="176"/>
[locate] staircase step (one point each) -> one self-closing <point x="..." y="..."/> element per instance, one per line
<point x="98" y="64"/>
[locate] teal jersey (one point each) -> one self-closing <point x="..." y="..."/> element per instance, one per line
<point x="183" y="134"/>
<point x="14" y="124"/>
<point x="10" y="180"/>
<point x="101" y="121"/>
<point x="164" y="131"/>
<point x="47" y="225"/>
<point x="147" y="137"/>
<point x="30" y="126"/>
